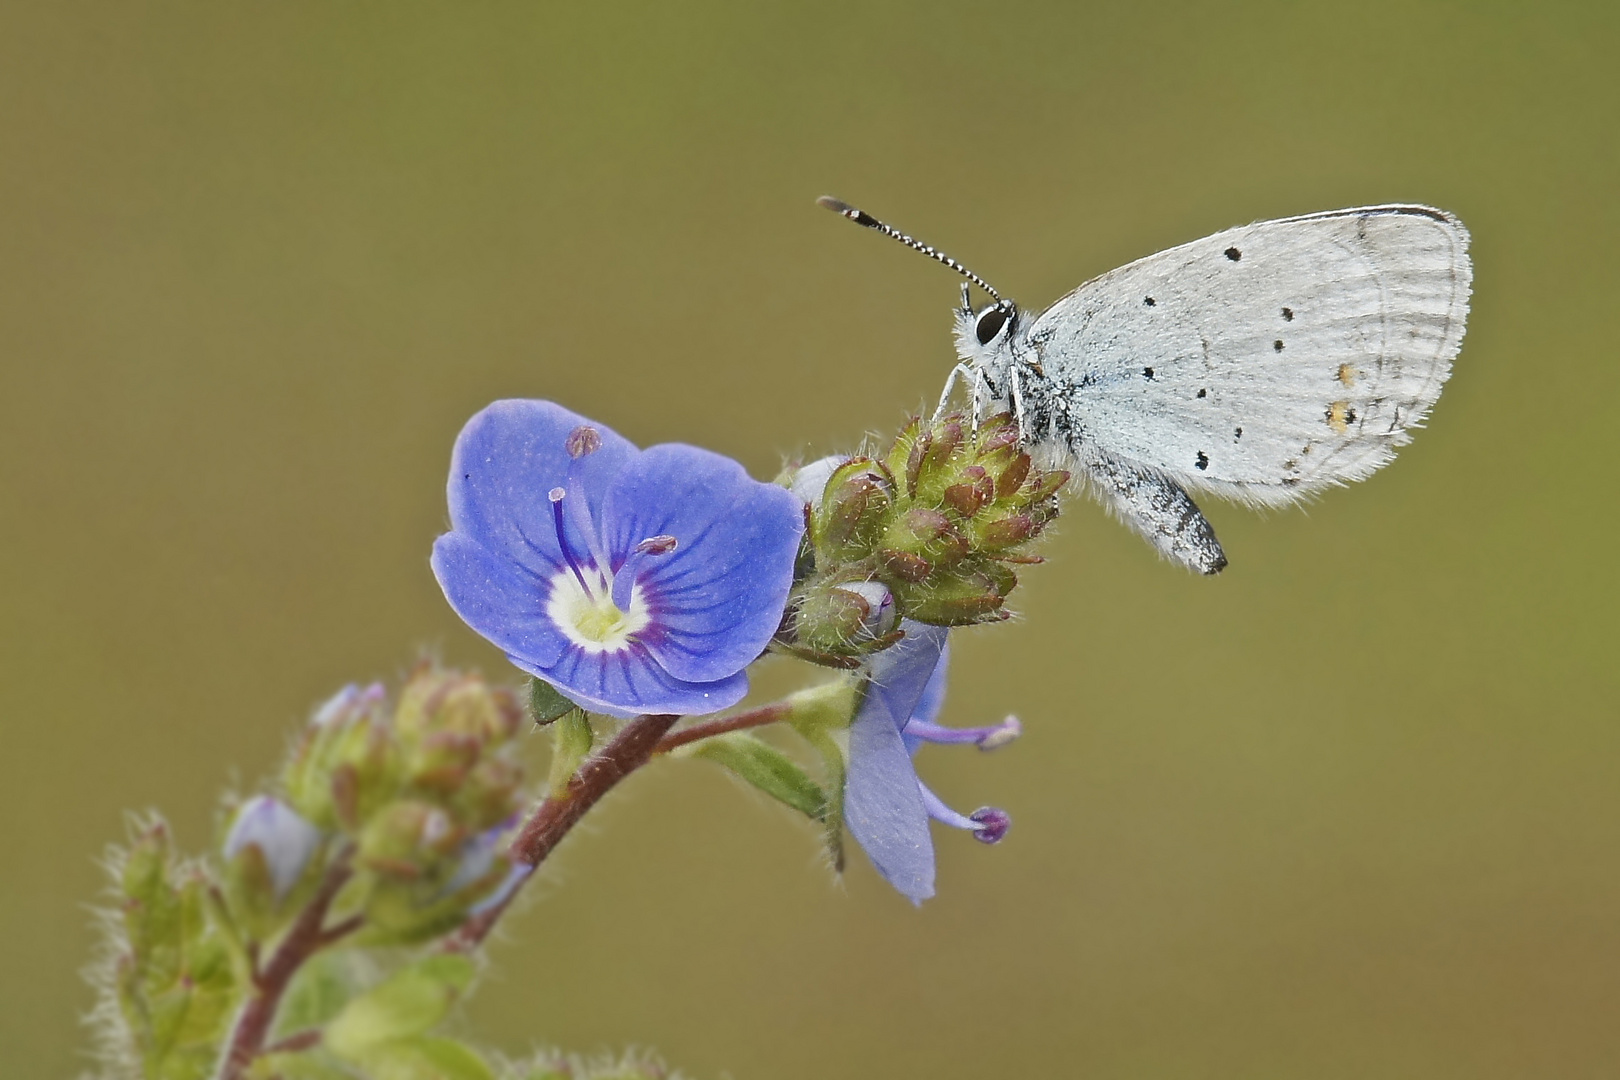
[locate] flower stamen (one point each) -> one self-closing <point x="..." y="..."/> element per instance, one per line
<point x="557" y="496"/>
<point x="990" y="737"/>
<point x="624" y="580"/>
<point x="988" y="824"/>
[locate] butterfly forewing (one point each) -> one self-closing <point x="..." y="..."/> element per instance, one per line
<point x="1265" y="361"/>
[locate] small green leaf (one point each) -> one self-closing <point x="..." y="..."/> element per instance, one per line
<point x="406" y="1004"/>
<point x="546" y="704"/>
<point x="767" y="768"/>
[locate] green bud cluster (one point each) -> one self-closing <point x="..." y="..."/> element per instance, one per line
<point x="395" y="815"/>
<point x="939" y="520"/>
<point x="412" y="787"/>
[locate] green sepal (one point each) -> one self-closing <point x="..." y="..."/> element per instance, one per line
<point x="822" y="715"/>
<point x="405" y="1005"/>
<point x="832" y="746"/>
<point x="571" y="741"/>
<point x="546" y="703"/>
<point x="767" y="768"/>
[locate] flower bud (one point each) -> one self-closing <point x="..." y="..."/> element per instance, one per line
<point x="809" y="482"/>
<point x="973" y="492"/>
<point x="961" y="599"/>
<point x="279" y="836"/>
<point x="839" y="619"/>
<point x="1012" y="477"/>
<point x="852" y="511"/>
<point x="343" y="766"/>
<point x="1008" y="532"/>
<point x="407" y="838"/>
<point x="904" y="565"/>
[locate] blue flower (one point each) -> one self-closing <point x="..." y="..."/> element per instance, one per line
<point x="886" y="807"/>
<point x="634" y="581"/>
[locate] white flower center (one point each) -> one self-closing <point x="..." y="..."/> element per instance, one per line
<point x="594" y="622"/>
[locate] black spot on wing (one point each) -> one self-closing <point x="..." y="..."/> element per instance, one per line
<point x="1277" y="346"/>
<point x="1148" y="300"/>
<point x="1234" y="254"/>
<point x="1288" y="314"/>
<point x="1237" y="435"/>
<point x="1203" y="460"/>
<point x="1147" y="373"/>
<point x="1203" y="393"/>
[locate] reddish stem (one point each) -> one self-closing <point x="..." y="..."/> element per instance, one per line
<point x="303" y="939"/>
<point x="632" y="748"/>
<point x="298" y="1040"/>
<point x="765" y="714"/>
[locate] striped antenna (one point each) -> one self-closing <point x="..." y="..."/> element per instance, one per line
<point x="861" y="217"/>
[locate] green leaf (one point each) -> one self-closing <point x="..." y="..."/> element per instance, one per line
<point x="767" y="768"/>
<point x="427" y="1059"/>
<point x="406" y="1004"/>
<point x="303" y="1065"/>
<point x="318" y="992"/>
<point x="546" y="704"/>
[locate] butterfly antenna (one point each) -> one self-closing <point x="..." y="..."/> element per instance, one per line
<point x="861" y="217"/>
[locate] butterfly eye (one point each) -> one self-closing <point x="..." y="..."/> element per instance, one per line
<point x="990" y="323"/>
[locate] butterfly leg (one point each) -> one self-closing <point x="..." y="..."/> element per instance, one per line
<point x="1018" y="402"/>
<point x="1157" y="508"/>
<point x="950" y="385"/>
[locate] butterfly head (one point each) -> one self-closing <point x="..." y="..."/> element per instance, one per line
<point x="984" y="337"/>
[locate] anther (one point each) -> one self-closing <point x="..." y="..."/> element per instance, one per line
<point x="624" y="581"/>
<point x="658" y="545"/>
<point x="993" y="824"/>
<point x="583" y="440"/>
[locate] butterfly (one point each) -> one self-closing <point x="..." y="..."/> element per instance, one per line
<point x="1262" y="364"/>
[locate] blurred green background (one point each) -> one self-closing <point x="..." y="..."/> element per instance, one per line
<point x="1350" y="810"/>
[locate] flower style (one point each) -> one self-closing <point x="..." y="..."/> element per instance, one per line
<point x="634" y="581"/>
<point x="886" y="806"/>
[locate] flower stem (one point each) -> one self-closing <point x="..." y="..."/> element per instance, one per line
<point x="632" y="748"/>
<point x="307" y="936"/>
<point x="765" y="714"/>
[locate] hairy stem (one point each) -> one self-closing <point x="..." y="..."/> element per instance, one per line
<point x="765" y="714"/>
<point x="307" y="936"/>
<point x="632" y="748"/>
